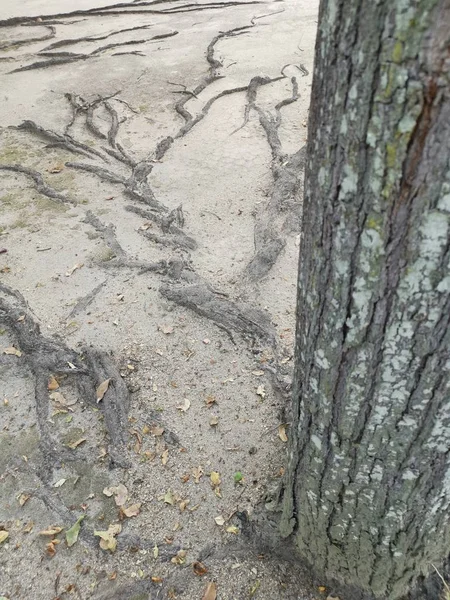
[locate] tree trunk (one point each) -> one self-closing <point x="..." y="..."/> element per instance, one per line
<point x="367" y="489"/>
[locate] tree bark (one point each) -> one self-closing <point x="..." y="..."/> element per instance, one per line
<point x="367" y="489"/>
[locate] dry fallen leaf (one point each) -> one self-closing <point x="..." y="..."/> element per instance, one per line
<point x="210" y="592"/>
<point x="73" y="269"/>
<point x="219" y="520"/>
<point x="108" y="538"/>
<point x="258" y="373"/>
<point x="13" y="351"/>
<point x="156" y="579"/>
<point x="56" y="168"/>
<point x="101" y="390"/>
<point x="282" y="433"/>
<point x="28" y="527"/>
<point x="185" y="406"/>
<point x="167" y="329"/>
<point x="50" y="549"/>
<point x="199" y="568"/>
<point x="210" y="400"/>
<point x="4" y="535"/>
<point x="215" y="478"/>
<point x="119" y="492"/>
<point x="76" y="443"/>
<point x="156" y="430"/>
<point x="261" y="391"/>
<point x="23" y="498"/>
<point x="232" y="529"/>
<point x="182" y="506"/>
<point x="131" y="511"/>
<point x="197" y="472"/>
<point x="169" y="498"/>
<point x="52" y="383"/>
<point x="59" y="483"/>
<point x="214" y="421"/>
<point x="60" y="399"/>
<point x="179" y="558"/>
<point x="51" y="531"/>
<point x="165" y="457"/>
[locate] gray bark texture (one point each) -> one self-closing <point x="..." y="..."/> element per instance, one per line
<point x="366" y="497"/>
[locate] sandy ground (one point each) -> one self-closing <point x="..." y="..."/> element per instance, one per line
<point x="130" y="112"/>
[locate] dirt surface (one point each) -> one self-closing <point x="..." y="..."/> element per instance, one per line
<point x="151" y="156"/>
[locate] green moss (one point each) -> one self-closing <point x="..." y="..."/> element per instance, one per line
<point x="374" y="221"/>
<point x="391" y="155"/>
<point x="397" y="52"/>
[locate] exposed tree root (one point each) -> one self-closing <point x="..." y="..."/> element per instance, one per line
<point x="60" y="141"/>
<point x="120" y="9"/>
<point x="282" y="213"/>
<point x="107" y="232"/>
<point x="114" y="405"/>
<point x="46" y="357"/>
<point x="40" y="185"/>
<point x="104" y="174"/>
<point x="92" y="38"/>
<point x="85" y="301"/>
<point x="18" y="43"/>
<point x="120" y="260"/>
<point x="194" y="293"/>
<point x="174" y="236"/>
<point x="173" y="240"/>
<point x="57" y="59"/>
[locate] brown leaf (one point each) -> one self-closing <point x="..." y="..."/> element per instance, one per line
<point x="73" y="269"/>
<point x="108" y="538"/>
<point x="199" y="568"/>
<point x="56" y="168"/>
<point x="13" y="351"/>
<point x="157" y="430"/>
<point x="210" y="591"/>
<point x="179" y="558"/>
<point x="210" y="400"/>
<point x="197" y="472"/>
<point x="4" y="535"/>
<point x="60" y="399"/>
<point x="156" y="579"/>
<point x="50" y="549"/>
<point x="28" y="527"/>
<point x="282" y="433"/>
<point x="51" y="531"/>
<point x="23" y="498"/>
<point x="102" y="389"/>
<point x="119" y="492"/>
<point x="165" y="457"/>
<point x="185" y="406"/>
<point x="52" y="383"/>
<point x="76" y="443"/>
<point x="131" y="511"/>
